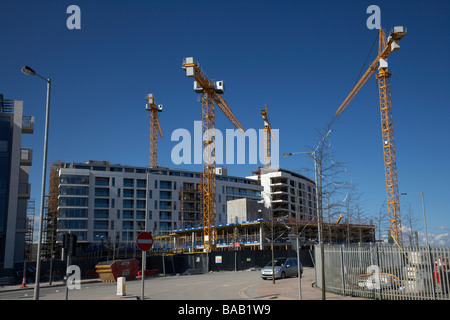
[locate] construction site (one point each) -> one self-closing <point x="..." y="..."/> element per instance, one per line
<point x="282" y="216"/>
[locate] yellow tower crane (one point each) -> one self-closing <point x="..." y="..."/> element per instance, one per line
<point x="154" y="128"/>
<point x="267" y="137"/>
<point x="211" y="95"/>
<point x="385" y="47"/>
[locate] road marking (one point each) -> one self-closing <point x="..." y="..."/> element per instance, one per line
<point x="243" y="290"/>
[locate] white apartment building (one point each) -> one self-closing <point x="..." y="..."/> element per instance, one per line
<point x="99" y="201"/>
<point x="290" y="195"/>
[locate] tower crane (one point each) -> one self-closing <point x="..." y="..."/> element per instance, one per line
<point x="155" y="127"/>
<point x="385" y="47"/>
<point x="267" y="137"/>
<point x="211" y="95"/>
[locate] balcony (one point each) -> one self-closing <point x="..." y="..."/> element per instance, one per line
<point x="26" y="157"/>
<point x="28" y="124"/>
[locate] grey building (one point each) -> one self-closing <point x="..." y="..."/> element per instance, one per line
<point x="14" y="186"/>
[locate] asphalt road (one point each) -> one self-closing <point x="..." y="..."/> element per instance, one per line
<point x="217" y="285"/>
<point x="240" y="285"/>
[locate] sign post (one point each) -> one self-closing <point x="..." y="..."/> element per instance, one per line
<point x="144" y="242"/>
<point x="297" y="242"/>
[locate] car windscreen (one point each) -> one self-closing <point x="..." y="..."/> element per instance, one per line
<point x="276" y="262"/>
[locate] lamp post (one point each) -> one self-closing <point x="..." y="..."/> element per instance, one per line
<point x="423" y="209"/>
<point x="28" y="71"/>
<point x="319" y="214"/>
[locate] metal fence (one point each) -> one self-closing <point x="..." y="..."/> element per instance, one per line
<point x="386" y="272"/>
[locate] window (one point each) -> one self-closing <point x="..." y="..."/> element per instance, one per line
<point x="72" y="224"/>
<point x="165" y="215"/>
<point x="140" y="204"/>
<point x="102" y="192"/>
<point x="140" y="214"/>
<point x="74" y="179"/>
<point x="140" y="194"/>
<point x="72" y="213"/>
<point x="101" y="203"/>
<point x="167" y="195"/>
<point x="73" y="202"/>
<point x="101" y="181"/>
<point x="140" y="183"/>
<point x="165" y="184"/>
<point x="100" y="225"/>
<point x="128" y="203"/>
<point x="127" y="225"/>
<point x="128" y="182"/>
<point x="127" y="236"/>
<point x="128" y="214"/>
<point x="101" y="214"/>
<point x="128" y="193"/>
<point x="140" y="225"/>
<point x="74" y="191"/>
<point x="165" y="205"/>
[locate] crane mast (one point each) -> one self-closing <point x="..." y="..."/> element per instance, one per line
<point x="385" y="47"/>
<point x="211" y="95"/>
<point x="267" y="137"/>
<point x="387" y="131"/>
<point x="155" y="127"/>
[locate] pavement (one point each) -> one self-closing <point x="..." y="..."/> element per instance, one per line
<point x="282" y="289"/>
<point x="288" y="289"/>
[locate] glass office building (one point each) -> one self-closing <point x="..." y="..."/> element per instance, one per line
<point x="14" y="186"/>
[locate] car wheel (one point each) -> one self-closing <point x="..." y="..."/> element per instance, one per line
<point x="283" y="275"/>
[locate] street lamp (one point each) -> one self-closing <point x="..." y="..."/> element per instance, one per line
<point x="423" y="209"/>
<point x="319" y="214"/>
<point x="28" y="71"/>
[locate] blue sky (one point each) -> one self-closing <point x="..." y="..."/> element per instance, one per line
<point x="301" y="58"/>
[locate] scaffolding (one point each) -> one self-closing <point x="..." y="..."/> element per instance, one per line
<point x="51" y="213"/>
<point x="190" y="196"/>
<point x="31" y="209"/>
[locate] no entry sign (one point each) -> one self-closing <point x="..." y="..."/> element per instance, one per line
<point x="144" y="241"/>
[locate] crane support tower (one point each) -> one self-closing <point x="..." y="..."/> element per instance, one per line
<point x="385" y="47"/>
<point x="155" y="127"/>
<point x="211" y="95"/>
<point x="268" y="134"/>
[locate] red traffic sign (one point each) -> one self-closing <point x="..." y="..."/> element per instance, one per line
<point x="144" y="241"/>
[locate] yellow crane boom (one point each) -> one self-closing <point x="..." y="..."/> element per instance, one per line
<point x="385" y="47"/>
<point x="211" y="95"/>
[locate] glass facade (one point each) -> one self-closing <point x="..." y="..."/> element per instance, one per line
<point x="5" y="164"/>
<point x="5" y="168"/>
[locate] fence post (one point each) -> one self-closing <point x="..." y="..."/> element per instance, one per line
<point x="380" y="295"/>
<point x="432" y="270"/>
<point x="342" y="269"/>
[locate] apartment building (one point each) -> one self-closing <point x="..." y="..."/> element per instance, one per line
<point x="99" y="201"/>
<point x="14" y="186"/>
<point x="288" y="194"/>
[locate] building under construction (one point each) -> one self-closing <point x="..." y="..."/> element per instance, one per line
<point x="260" y="234"/>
